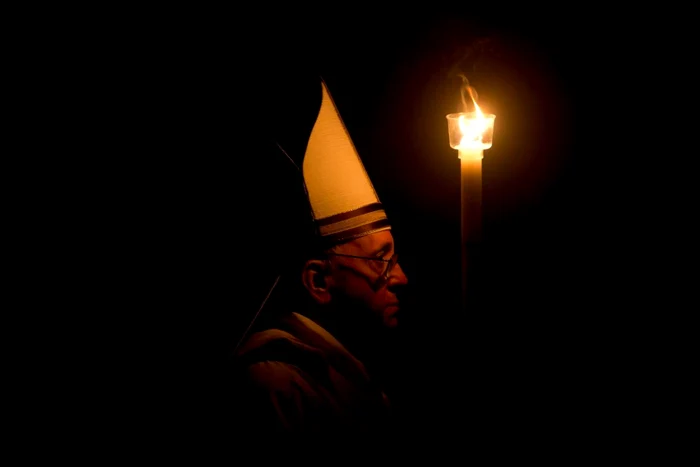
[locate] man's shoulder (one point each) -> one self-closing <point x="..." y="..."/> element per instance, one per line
<point x="274" y="358"/>
<point x="275" y="376"/>
<point x="285" y="381"/>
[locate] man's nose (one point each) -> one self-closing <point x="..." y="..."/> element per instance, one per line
<point x="397" y="276"/>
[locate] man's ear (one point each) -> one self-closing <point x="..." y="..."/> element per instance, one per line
<point x="317" y="279"/>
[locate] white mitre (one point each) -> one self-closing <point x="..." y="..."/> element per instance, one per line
<point x="343" y="201"/>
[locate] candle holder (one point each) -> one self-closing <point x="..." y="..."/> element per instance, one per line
<point x="470" y="132"/>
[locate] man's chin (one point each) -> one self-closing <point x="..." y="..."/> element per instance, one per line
<point x="391" y="317"/>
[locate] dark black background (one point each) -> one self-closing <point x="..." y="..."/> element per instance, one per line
<point x="196" y="220"/>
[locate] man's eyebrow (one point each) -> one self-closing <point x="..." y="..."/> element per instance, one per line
<point x="384" y="249"/>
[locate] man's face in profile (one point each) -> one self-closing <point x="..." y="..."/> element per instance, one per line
<point x="364" y="280"/>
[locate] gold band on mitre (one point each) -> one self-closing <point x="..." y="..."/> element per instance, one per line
<point x="343" y="200"/>
<point x="350" y="225"/>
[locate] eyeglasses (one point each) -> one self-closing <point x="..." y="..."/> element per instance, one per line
<point x="390" y="263"/>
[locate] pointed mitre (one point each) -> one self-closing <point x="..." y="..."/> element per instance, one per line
<point x="343" y="201"/>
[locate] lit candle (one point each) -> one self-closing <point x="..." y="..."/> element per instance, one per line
<point x="470" y="133"/>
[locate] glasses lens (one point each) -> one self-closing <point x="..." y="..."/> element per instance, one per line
<point x="389" y="266"/>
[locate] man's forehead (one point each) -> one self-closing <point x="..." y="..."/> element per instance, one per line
<point x="375" y="242"/>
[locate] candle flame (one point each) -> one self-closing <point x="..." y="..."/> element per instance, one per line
<point x="472" y="129"/>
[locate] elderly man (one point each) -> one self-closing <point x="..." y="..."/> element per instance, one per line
<point x="305" y="365"/>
